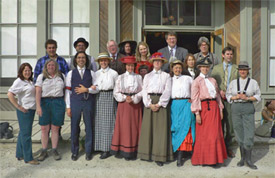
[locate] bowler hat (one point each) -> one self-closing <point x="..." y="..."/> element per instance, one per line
<point x="81" y="40"/>
<point x="204" y="62"/>
<point x="243" y="65"/>
<point x="128" y="60"/>
<point x="158" y="56"/>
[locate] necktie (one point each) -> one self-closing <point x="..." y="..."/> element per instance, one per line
<point x="114" y="57"/>
<point x="171" y="52"/>
<point x="225" y="75"/>
<point x="81" y="73"/>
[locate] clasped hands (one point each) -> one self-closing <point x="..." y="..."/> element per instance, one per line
<point x="154" y="107"/>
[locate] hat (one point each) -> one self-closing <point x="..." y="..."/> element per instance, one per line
<point x="103" y="56"/>
<point x="158" y="56"/>
<point x="176" y="62"/>
<point x="204" y="62"/>
<point x="81" y="40"/>
<point x="128" y="60"/>
<point x="132" y="43"/>
<point x="243" y="65"/>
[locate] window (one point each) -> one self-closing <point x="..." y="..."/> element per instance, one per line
<point x="18" y="24"/>
<point x="178" y="12"/>
<point x="272" y="42"/>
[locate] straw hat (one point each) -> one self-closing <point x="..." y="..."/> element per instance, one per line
<point x="103" y="56"/>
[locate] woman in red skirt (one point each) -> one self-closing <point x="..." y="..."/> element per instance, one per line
<point x="209" y="148"/>
<point x="128" y="94"/>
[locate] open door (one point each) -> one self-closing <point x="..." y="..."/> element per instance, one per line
<point x="217" y="42"/>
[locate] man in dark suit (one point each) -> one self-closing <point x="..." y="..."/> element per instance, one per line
<point x="172" y="50"/>
<point x="116" y="63"/>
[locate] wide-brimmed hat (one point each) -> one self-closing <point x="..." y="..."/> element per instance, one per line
<point x="132" y="43"/>
<point x="204" y="62"/>
<point x="103" y="56"/>
<point x="172" y="63"/>
<point x="158" y="56"/>
<point x="81" y="40"/>
<point x="128" y="60"/>
<point x="243" y="65"/>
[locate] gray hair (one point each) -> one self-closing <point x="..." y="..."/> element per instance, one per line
<point x="203" y="39"/>
<point x="110" y="41"/>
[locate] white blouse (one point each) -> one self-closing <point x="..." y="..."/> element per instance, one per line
<point x="51" y="87"/>
<point x="181" y="86"/>
<point x="211" y="88"/>
<point x="105" y="79"/>
<point x="192" y="72"/>
<point x="157" y="82"/>
<point x="25" y="92"/>
<point x="128" y="83"/>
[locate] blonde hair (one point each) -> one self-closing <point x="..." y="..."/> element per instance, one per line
<point x="138" y="56"/>
<point x="45" y="71"/>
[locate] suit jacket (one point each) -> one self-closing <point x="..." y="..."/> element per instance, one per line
<point x="218" y="75"/>
<point x="117" y="65"/>
<point x="180" y="55"/>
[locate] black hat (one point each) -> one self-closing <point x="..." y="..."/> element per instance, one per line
<point x="81" y="40"/>
<point x="243" y="65"/>
<point x="204" y="62"/>
<point x="132" y="43"/>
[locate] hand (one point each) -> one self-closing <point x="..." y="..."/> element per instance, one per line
<point x="154" y="108"/>
<point x="22" y="109"/>
<point x="129" y="99"/>
<point x="238" y="96"/>
<point x="243" y="97"/>
<point x="93" y="87"/>
<point x="39" y="111"/>
<point x="198" y="119"/>
<point x="69" y="113"/>
<point x="221" y="114"/>
<point x="222" y="94"/>
<point x="81" y="89"/>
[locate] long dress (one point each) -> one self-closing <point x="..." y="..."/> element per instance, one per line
<point x="182" y="119"/>
<point x="209" y="148"/>
<point x="129" y="115"/>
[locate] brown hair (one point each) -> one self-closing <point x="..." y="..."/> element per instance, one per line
<point x="170" y="33"/>
<point x="228" y="48"/>
<point x="138" y="56"/>
<point x="21" y="69"/>
<point x="171" y="69"/>
<point x="185" y="66"/>
<point x="50" y="41"/>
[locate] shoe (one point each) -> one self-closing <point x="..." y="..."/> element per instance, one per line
<point x="43" y="155"/>
<point x="105" y="155"/>
<point x="230" y="153"/>
<point x="19" y="159"/>
<point x="89" y="156"/>
<point x="56" y="155"/>
<point x="179" y="159"/>
<point x="74" y="157"/>
<point x="248" y="159"/>
<point x="33" y="162"/>
<point x="159" y="163"/>
<point x="241" y="162"/>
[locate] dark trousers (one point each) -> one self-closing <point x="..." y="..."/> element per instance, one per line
<point x="24" y="140"/>
<point x="77" y="108"/>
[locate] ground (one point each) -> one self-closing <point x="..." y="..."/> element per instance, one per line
<point x="263" y="156"/>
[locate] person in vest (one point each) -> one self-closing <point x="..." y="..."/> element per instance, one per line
<point x="50" y="106"/>
<point x="182" y="119"/>
<point x="242" y="92"/>
<point x="209" y="148"/>
<point x="78" y="104"/>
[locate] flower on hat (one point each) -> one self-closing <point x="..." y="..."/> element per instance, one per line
<point x="157" y="55"/>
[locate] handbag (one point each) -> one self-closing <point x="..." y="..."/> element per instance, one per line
<point x="6" y="130"/>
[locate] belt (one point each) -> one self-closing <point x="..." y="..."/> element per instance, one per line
<point x="208" y="102"/>
<point x="51" y="97"/>
<point x="242" y="101"/>
<point x="106" y="90"/>
<point x="155" y="94"/>
<point x="180" y="98"/>
<point x="129" y="94"/>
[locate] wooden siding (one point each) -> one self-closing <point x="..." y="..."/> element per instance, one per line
<point x="126" y="19"/>
<point x="232" y="27"/>
<point x="103" y="25"/>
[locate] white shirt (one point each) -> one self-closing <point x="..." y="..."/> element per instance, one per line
<point x="51" y="87"/>
<point x="156" y="82"/>
<point x="105" y="79"/>
<point x="128" y="83"/>
<point x="192" y="72"/>
<point x="69" y="84"/>
<point x="181" y="86"/>
<point x="25" y="92"/>
<point x="211" y="88"/>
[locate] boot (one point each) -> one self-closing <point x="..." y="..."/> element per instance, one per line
<point x="241" y="162"/>
<point x="179" y="160"/>
<point x="249" y="163"/>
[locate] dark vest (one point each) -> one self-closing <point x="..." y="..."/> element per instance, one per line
<point x="87" y="81"/>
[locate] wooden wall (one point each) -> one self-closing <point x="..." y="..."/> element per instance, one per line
<point x="126" y="19"/>
<point x="103" y="25"/>
<point x="232" y="27"/>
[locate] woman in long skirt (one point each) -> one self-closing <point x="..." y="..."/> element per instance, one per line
<point x="127" y="92"/>
<point x="183" y="120"/>
<point x="209" y="148"/>
<point x="155" y="139"/>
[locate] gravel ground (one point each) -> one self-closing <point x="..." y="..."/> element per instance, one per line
<point x="263" y="156"/>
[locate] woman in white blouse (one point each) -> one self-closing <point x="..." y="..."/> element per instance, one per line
<point x="50" y="106"/>
<point x="183" y="120"/>
<point x="128" y="94"/>
<point x="25" y="109"/>
<point x="155" y="139"/>
<point x="190" y="65"/>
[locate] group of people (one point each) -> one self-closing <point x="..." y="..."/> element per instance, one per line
<point x="137" y="105"/>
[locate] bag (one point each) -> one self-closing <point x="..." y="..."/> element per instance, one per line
<point x="6" y="131"/>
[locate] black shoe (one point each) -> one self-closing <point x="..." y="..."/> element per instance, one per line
<point x="20" y="158"/>
<point x="89" y="156"/>
<point x="248" y="161"/>
<point x="159" y="163"/>
<point x="74" y="157"/>
<point x="105" y="155"/>
<point x="241" y="162"/>
<point x="179" y="159"/>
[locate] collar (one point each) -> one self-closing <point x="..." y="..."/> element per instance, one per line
<point x="175" y="47"/>
<point x="192" y="69"/>
<point x="128" y="73"/>
<point x="177" y="76"/>
<point x="157" y="72"/>
<point x="225" y="63"/>
<point x="204" y="76"/>
<point x="112" y="55"/>
<point x="208" y="54"/>
<point x="47" y="56"/>
<point x="104" y="70"/>
<point x="78" y="68"/>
